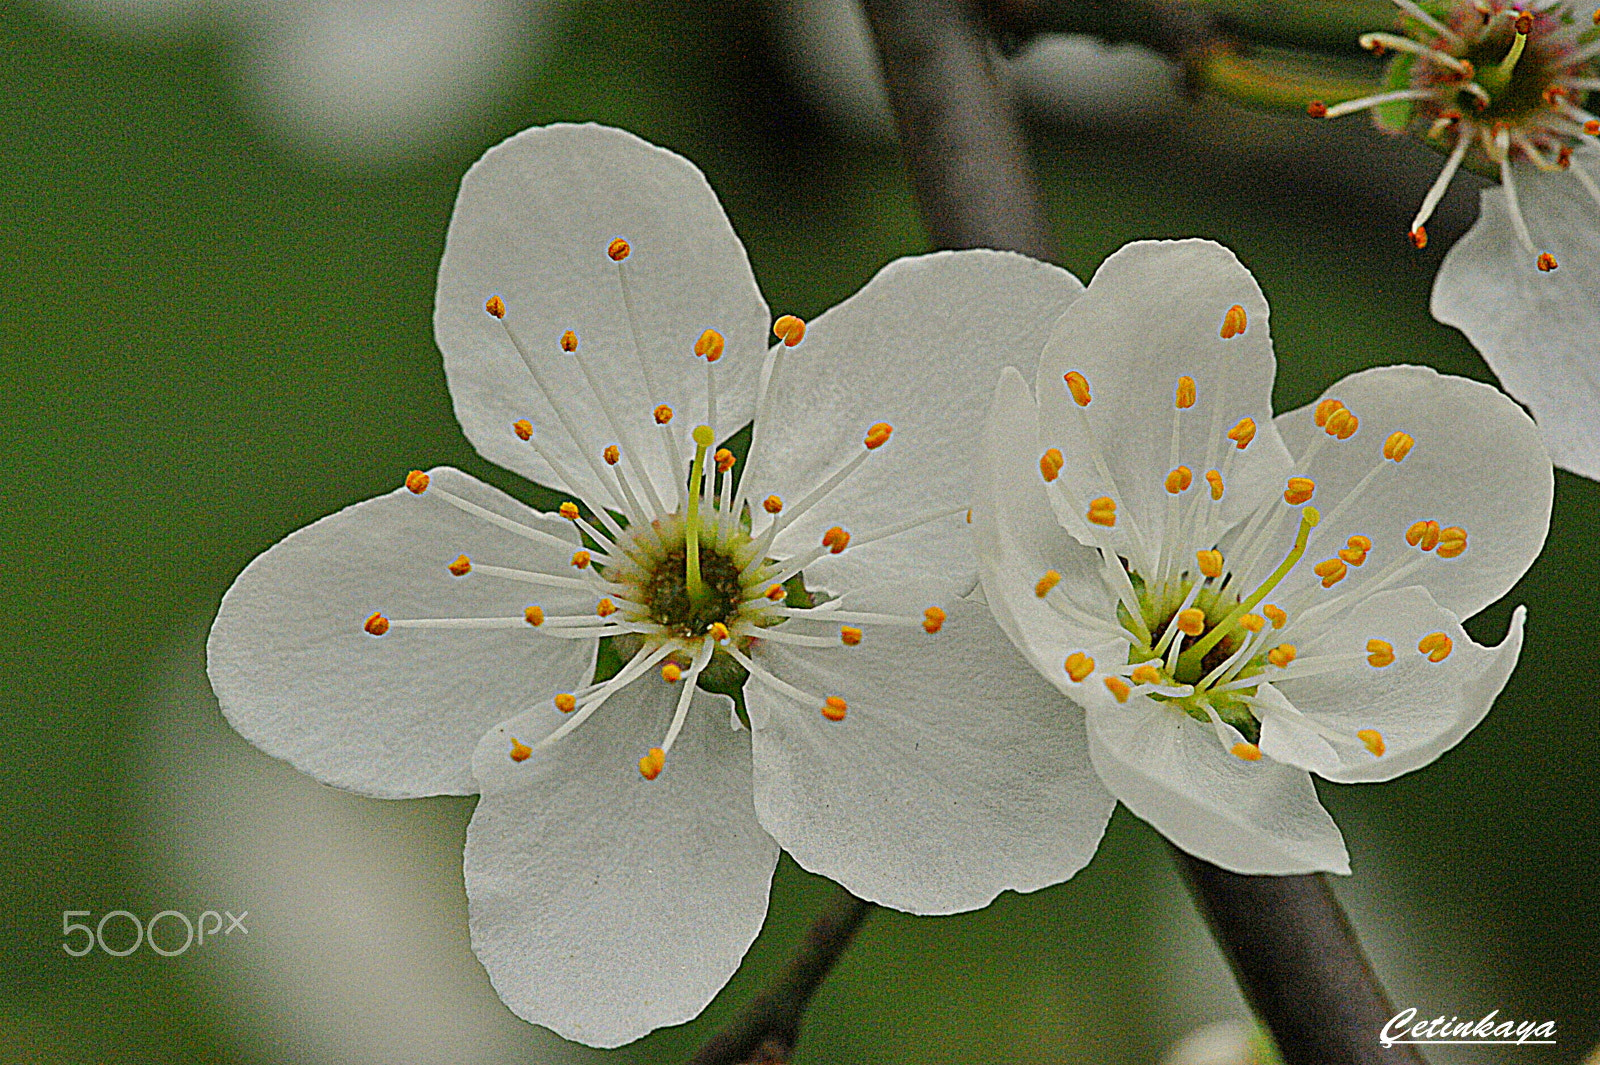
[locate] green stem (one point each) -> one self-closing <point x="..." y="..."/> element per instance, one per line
<point x="691" y="534"/>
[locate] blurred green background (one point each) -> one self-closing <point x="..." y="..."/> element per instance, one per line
<point x="213" y="332"/>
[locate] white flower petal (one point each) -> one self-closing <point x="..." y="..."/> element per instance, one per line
<point x="605" y="905"/>
<point x="1287" y="737"/>
<point x="1539" y="331"/>
<point x="532" y="225"/>
<point x="918" y="347"/>
<point x="1421" y="708"/>
<point x="1477" y="463"/>
<point x="1154" y="313"/>
<point x="955" y="774"/>
<point x="400" y="715"/>
<point x="1257" y="818"/>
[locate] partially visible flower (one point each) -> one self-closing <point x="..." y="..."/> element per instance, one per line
<point x="603" y="334"/>
<point x="1237" y="601"/>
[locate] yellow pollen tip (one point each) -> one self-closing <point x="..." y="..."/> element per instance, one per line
<point x="1247" y="752"/>
<point x="849" y="636"/>
<point x="702" y="436"/>
<point x="1103" y="511"/>
<point x="1592" y="127"/>
<point x="718" y="632"/>
<point x="878" y="435"/>
<point x="569" y="342"/>
<point x="1380" y="653"/>
<point x="1281" y="655"/>
<point x="534" y="616"/>
<point x="1146" y="674"/>
<point x="710" y="345"/>
<point x="1340" y="423"/>
<point x="1331" y="570"/>
<point x="1050" y="579"/>
<point x="836" y="540"/>
<point x="618" y="250"/>
<point x="651" y="764"/>
<point x="520" y="752"/>
<point x="663" y="414"/>
<point x="1118" y="688"/>
<point x="1179" y="480"/>
<point x="1185" y="394"/>
<point x="417" y="482"/>
<point x="772" y="504"/>
<point x="1242" y="434"/>
<point x="1317" y="109"/>
<point x="1078" y="385"/>
<point x="1253" y="622"/>
<point x="1398" y="446"/>
<point x="789" y="329"/>
<point x="1325" y="410"/>
<point x="1079" y="666"/>
<point x="376" y="625"/>
<point x="833" y="708"/>
<point x="580" y="559"/>
<point x="775" y="592"/>
<point x="569" y="510"/>
<point x="1596" y="18"/>
<point x="605" y="608"/>
<point x="495" y="307"/>
<point x="1436" y="645"/>
<point x="1192" y="622"/>
<point x="1373" y="739"/>
<point x="611" y="454"/>
<point x="1298" y="490"/>
<point x="1234" y="322"/>
<point x="1210" y="562"/>
<point x="724" y="459"/>
<point x="1275" y="614"/>
<point x="1356" y="553"/>
<point x="1524" y="23"/>
<point x="1452" y="541"/>
<point x="933" y="619"/>
<point x="1424" y="535"/>
<point x="1050" y="464"/>
<point x="1419" y="237"/>
<point x="461" y="566"/>
<point x="671" y="672"/>
<point x="1547" y="262"/>
<point x="523" y="428"/>
<point x="566" y="702"/>
<point x="1214" y="479"/>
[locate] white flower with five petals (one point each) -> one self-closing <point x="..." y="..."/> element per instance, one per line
<point x="602" y="334"/>
<point x="1231" y="601"/>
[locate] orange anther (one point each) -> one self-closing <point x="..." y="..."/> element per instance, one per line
<point x="1119" y="688"/>
<point x="849" y="636"/>
<point x="1523" y="23"/>
<point x="1423" y="534"/>
<point x="718" y="632"/>
<point x="1298" y="490"/>
<point x="663" y="414"/>
<point x="1317" y="109"/>
<point x="1214" y="479"/>
<point x="1547" y="262"/>
<point x="1248" y="752"/>
<point x="1338" y="421"/>
<point x="1452" y="541"/>
<point x="1398" y="446"/>
<point x="523" y="428"/>
<point x="1192" y="622"/>
<point x="1253" y="622"/>
<point x="776" y="592"/>
<point x="618" y="250"/>
<point x="1347" y="429"/>
<point x="1592" y="127"/>
<point x="1436" y="645"/>
<point x="1275" y="614"/>
<point x="1359" y="543"/>
<point x="1078" y="666"/>
<point x="878" y="435"/>
<point x="1419" y="237"/>
<point x="569" y="342"/>
<point x="835" y="539"/>
<point x="534" y="616"/>
<point x="611" y="454"/>
<point x="566" y="702"/>
<point x="495" y="306"/>
<point x="461" y="566"/>
<point x="1050" y="464"/>
<point x="1281" y="655"/>
<point x="1242" y="433"/>
<point x="1373" y="740"/>
<point x="833" y="708"/>
<point x="1185" y="394"/>
<point x="568" y="510"/>
<point x="1146" y="674"/>
<point x="1331" y="570"/>
<point x="1078" y="385"/>
<point x="580" y="559"/>
<point x="1179" y="480"/>
<point x="605" y="608"/>
<point x="671" y="672"/>
<point x="1050" y="579"/>
<point x="1210" y="562"/>
<point x="650" y="765"/>
<point x="933" y="619"/>
<point x="1380" y="653"/>
<point x="709" y="346"/>
<point x="789" y="329"/>
<point x="772" y="504"/>
<point x="1103" y="511"/>
<point x="724" y="460"/>
<point x="1325" y="410"/>
<point x="377" y="625"/>
<point x="1233" y="323"/>
<point x="417" y="482"/>
<point x="520" y="752"/>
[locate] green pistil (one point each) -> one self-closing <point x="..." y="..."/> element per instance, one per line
<point x="691" y="535"/>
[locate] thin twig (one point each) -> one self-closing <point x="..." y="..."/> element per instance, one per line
<point x="765" y="1031"/>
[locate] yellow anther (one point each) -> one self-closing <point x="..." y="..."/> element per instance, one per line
<point x="569" y="342"/>
<point x="1281" y="655"/>
<point x="1380" y="653"/>
<point x="1298" y="490"/>
<point x="520" y="752"/>
<point x="1373" y="739"/>
<point x="1275" y="614"/>
<point x="1359" y="543"/>
<point x="1078" y="385"/>
<point x="1079" y="666"/>
<point x="833" y="708"/>
<point x="709" y="346"/>
<point x="618" y="250"/>
<point x="461" y="566"/>
<point x="969" y="515"/>
<point x="650" y="765"/>
<point x="933" y="619"/>
<point x="1331" y="570"/>
<point x="1248" y="752"/>
<point x="1597" y="16"/>
<point x="1339" y="422"/>
<point x="835" y="540"/>
<point x="1424" y="535"/>
<point x="1398" y="446"/>
<point x="776" y="592"/>
<point x="1253" y="622"/>
<point x="569" y="510"/>
<point x="1179" y="480"/>
<point x="1185" y="394"/>
<point x="718" y="632"/>
<point x="849" y="636"/>
<point x="1452" y="541"/>
<point x="417" y="482"/>
<point x="1234" y="322"/>
<point x="1214" y="479"/>
<point x="724" y="460"/>
<point x="580" y="559"/>
<point x="772" y="504"/>
<point x="1419" y="237"/>
<point x="376" y="625"/>
<point x="534" y="616"/>
<point x="1146" y="674"/>
<point x="1347" y="429"/>
<point x="1325" y="411"/>
<point x="789" y="329"/>
<point x="566" y="702"/>
<point x="878" y="435"/>
<point x="671" y="672"/>
<point x="611" y="454"/>
<point x="702" y="435"/>
<point x="495" y="306"/>
<point x="1103" y="511"/>
<point x="1050" y="464"/>
<point x="1119" y="688"/>
<point x="1436" y="645"/>
<point x="1546" y="262"/>
<point x="523" y="428"/>
<point x="605" y="608"/>
<point x="1191" y="622"/>
<point x="1050" y="579"/>
<point x="1355" y="550"/>
<point x="1210" y="562"/>
<point x="1243" y="433"/>
<point x="663" y="414"/>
